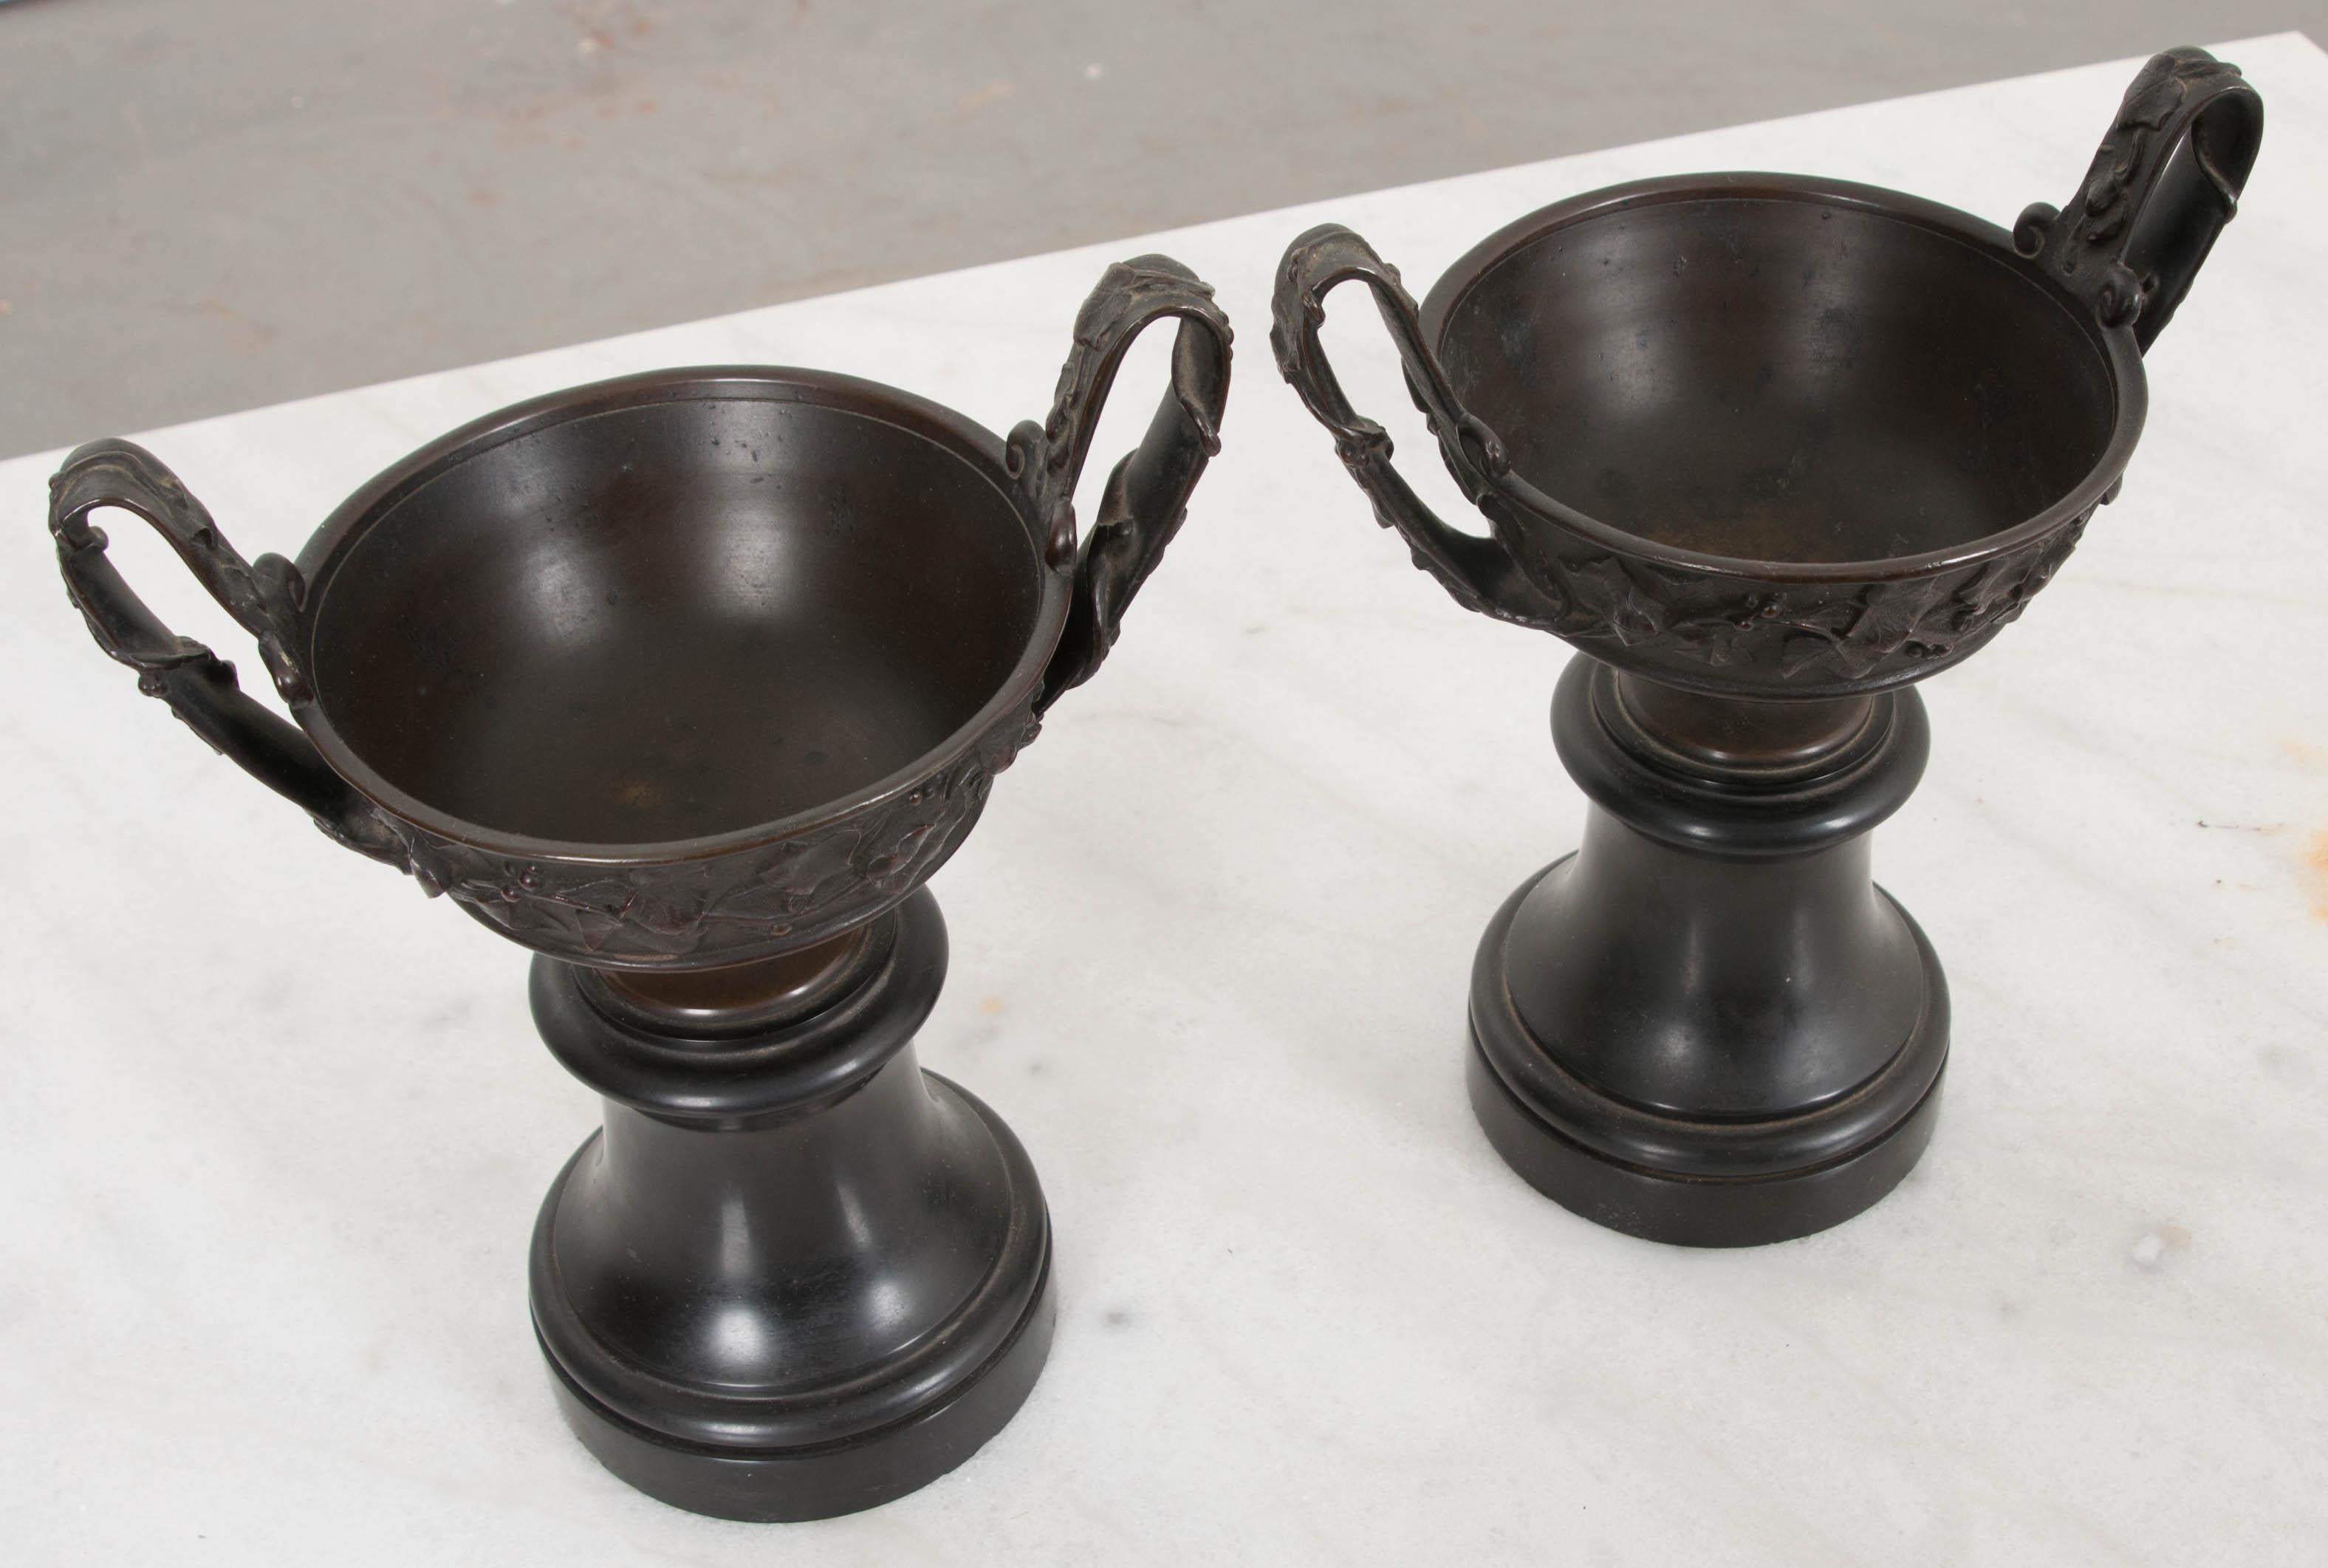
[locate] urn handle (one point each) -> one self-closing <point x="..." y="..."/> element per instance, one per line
<point x="199" y="686"/>
<point x="1147" y="494"/>
<point x="2166" y="179"/>
<point x="1478" y="572"/>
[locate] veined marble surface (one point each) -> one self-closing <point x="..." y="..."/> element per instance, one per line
<point x="273" y="1127"/>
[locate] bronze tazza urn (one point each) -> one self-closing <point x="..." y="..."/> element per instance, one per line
<point x="688" y="682"/>
<point x="1768" y="449"/>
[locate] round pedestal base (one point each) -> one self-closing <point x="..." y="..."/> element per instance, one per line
<point x="794" y="1275"/>
<point x="943" y="1425"/>
<point x="1725" y="1183"/>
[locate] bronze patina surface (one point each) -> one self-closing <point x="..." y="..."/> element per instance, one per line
<point x="1768" y="449"/>
<point x="689" y="681"/>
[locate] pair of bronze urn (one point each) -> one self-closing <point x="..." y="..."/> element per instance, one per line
<point x="689" y="681"/>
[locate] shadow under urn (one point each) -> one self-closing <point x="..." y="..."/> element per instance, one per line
<point x="1768" y="450"/>
<point x="689" y="681"/>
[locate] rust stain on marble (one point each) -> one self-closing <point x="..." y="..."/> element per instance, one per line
<point x="2150" y="1250"/>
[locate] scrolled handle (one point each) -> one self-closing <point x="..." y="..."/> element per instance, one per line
<point x="1147" y="493"/>
<point x="200" y="687"/>
<point x="2166" y="179"/>
<point x="1478" y="572"/>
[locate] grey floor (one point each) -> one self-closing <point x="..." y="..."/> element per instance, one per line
<point x="210" y="206"/>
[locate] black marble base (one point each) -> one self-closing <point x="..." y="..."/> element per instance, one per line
<point x="794" y="1275"/>
<point x="1708" y="1026"/>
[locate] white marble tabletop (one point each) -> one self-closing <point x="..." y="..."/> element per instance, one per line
<point x="273" y="1127"/>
